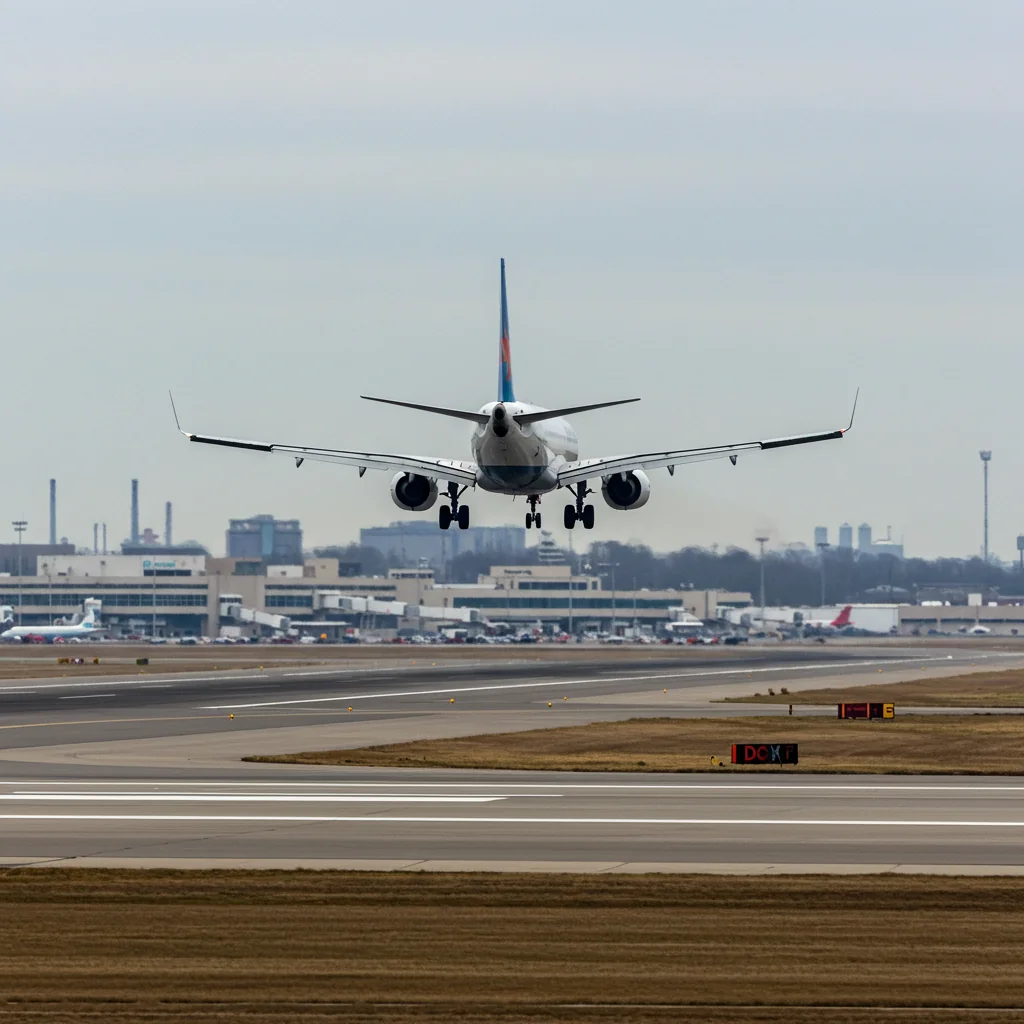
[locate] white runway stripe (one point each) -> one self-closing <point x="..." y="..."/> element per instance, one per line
<point x="560" y="822"/>
<point x="351" y="798"/>
<point x="651" y="787"/>
<point x="659" y="677"/>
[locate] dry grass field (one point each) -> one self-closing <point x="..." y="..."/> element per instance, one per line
<point x="1003" y="689"/>
<point x="81" y="946"/>
<point x="982" y="744"/>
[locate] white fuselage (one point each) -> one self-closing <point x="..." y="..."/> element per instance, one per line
<point x="522" y="460"/>
<point x="80" y="631"/>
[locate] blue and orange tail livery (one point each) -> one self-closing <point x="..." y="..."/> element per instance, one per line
<point x="505" y="390"/>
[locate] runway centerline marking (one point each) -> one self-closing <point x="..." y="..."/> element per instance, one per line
<point x="652" y="787"/>
<point x="87" y="696"/>
<point x="437" y="820"/>
<point x="569" y="682"/>
<point x="354" y="798"/>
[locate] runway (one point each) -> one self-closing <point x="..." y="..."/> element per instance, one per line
<point x="436" y="820"/>
<point x="147" y="771"/>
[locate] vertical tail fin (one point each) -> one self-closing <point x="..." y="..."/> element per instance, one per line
<point x="506" y="393"/>
<point x="843" y="618"/>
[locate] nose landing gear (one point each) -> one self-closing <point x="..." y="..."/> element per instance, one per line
<point x="453" y="512"/>
<point x="533" y="516"/>
<point x="579" y="513"/>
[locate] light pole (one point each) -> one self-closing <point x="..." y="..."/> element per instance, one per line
<point x="572" y="583"/>
<point x="613" y="566"/>
<point x="986" y="458"/>
<point x="20" y="525"/>
<point x="821" y="550"/>
<point x="762" y="541"/>
<point x="49" y="591"/>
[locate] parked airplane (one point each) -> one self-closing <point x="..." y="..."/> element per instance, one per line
<point x="519" y="450"/>
<point x="977" y="631"/>
<point x="86" y="628"/>
<point x="841" y="620"/>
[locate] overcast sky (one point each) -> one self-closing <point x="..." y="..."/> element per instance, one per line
<point x="739" y="211"/>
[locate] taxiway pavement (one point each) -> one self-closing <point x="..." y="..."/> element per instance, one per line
<point x="146" y="771"/>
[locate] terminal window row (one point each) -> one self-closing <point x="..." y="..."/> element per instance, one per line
<point x="552" y="585"/>
<point x="140" y="600"/>
<point x="289" y="600"/>
<point x="63" y="586"/>
<point x="623" y="604"/>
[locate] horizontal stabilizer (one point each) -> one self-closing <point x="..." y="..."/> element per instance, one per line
<point x="457" y="414"/>
<point x="549" y="414"/>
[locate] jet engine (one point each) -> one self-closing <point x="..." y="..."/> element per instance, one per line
<point x="412" y="492"/>
<point x="626" y="490"/>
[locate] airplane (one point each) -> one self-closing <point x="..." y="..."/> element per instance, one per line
<point x="839" y="622"/>
<point x="685" y="623"/>
<point x="518" y="449"/>
<point x="977" y="631"/>
<point x="86" y="628"/>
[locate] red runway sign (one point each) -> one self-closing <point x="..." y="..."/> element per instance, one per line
<point x="764" y="753"/>
<point x="867" y="710"/>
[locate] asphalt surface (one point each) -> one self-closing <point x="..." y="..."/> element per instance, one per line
<point x="146" y="770"/>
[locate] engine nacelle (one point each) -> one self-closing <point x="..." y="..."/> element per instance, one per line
<point x="626" y="490"/>
<point x="413" y="492"/>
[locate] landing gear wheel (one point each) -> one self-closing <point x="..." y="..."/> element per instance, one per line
<point x="463" y="517"/>
<point x="533" y="516"/>
<point x="444" y="517"/>
<point x="580" y="513"/>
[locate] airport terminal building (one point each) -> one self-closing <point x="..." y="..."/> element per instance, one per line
<point x="191" y="595"/>
<point x="195" y="595"/>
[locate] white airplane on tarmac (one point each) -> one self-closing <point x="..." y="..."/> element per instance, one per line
<point x="86" y="628"/>
<point x="519" y="450"/>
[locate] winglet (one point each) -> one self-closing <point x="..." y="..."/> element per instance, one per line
<point x="177" y="423"/>
<point x="853" y="412"/>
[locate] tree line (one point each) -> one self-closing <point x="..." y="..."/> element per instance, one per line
<point x="792" y="577"/>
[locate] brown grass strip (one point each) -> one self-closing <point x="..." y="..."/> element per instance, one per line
<point x="932" y="744"/>
<point x="975" y="690"/>
<point x="121" y="946"/>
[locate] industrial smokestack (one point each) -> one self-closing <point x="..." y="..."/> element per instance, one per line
<point x="135" y="512"/>
<point x="104" y="538"/>
<point x="167" y="525"/>
<point x="95" y="538"/>
<point x="53" y="512"/>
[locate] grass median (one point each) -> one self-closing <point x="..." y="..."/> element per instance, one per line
<point x="1003" y="689"/>
<point x="227" y="947"/>
<point x="913" y="744"/>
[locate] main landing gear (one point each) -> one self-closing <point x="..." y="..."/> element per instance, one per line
<point x="579" y="513"/>
<point x="453" y="512"/>
<point x="533" y="516"/>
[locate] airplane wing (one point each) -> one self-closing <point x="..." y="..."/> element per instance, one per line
<point x="589" y="468"/>
<point x="445" y="469"/>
